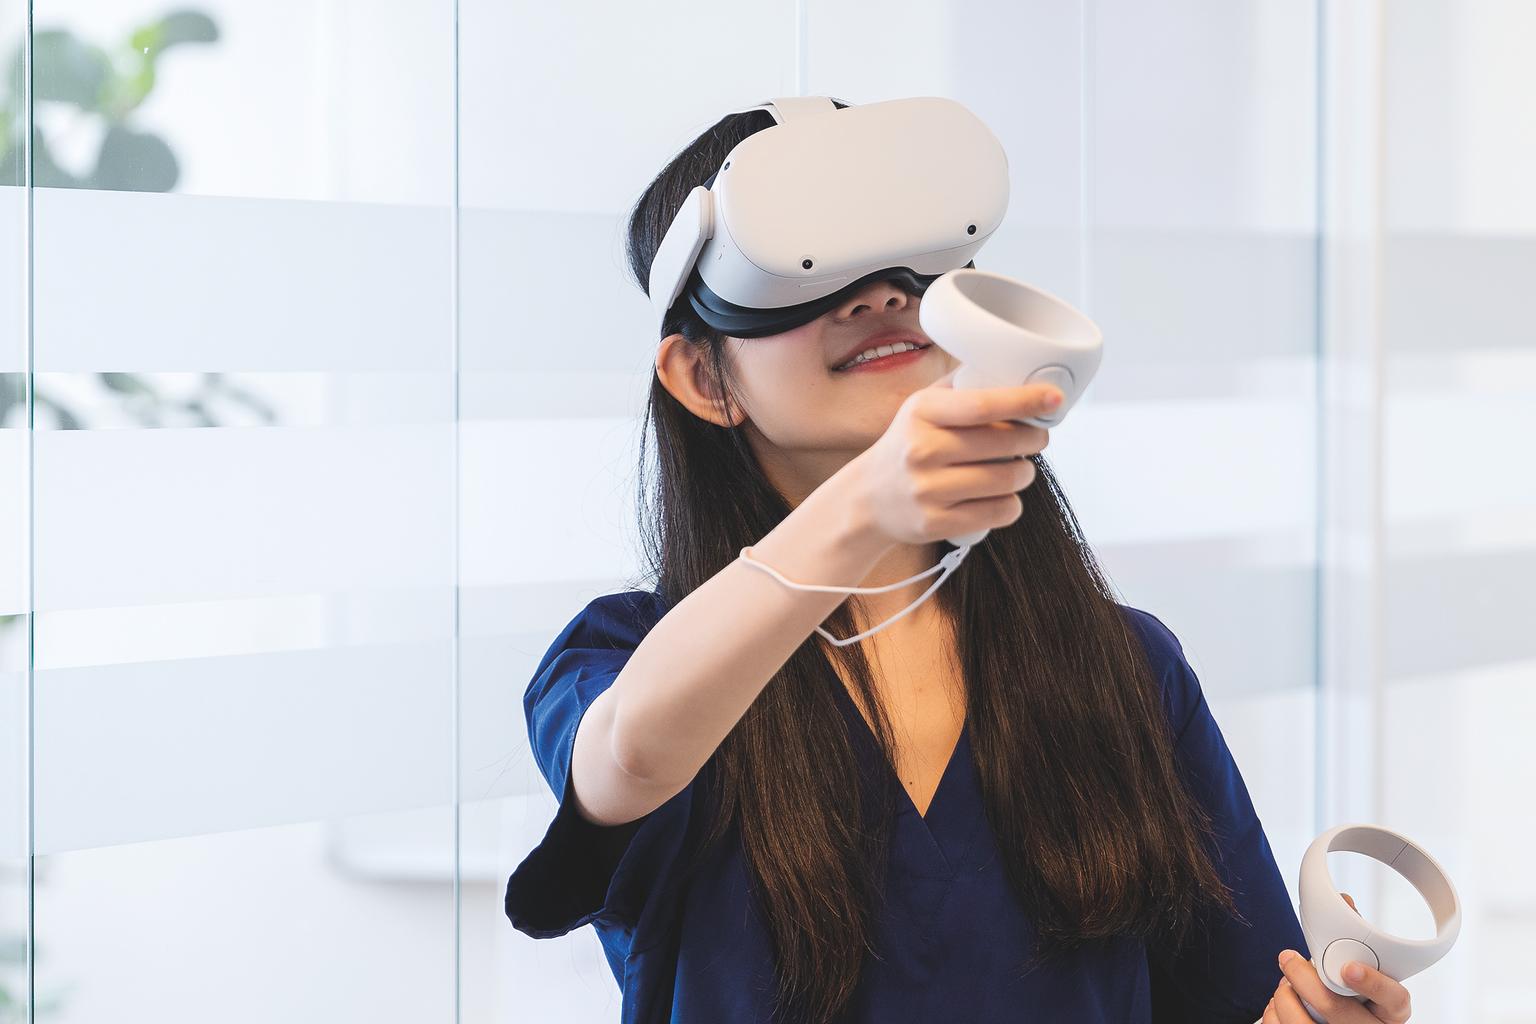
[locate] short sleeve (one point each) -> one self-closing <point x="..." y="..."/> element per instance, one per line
<point x="1227" y="970"/>
<point x="580" y="871"/>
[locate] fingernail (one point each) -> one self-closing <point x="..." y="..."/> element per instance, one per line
<point x="1286" y="956"/>
<point x="1053" y="398"/>
<point x="1353" y="972"/>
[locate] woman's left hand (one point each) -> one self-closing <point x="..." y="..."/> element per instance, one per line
<point x="1387" y="1001"/>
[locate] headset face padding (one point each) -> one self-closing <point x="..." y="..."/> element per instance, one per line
<point x="743" y="322"/>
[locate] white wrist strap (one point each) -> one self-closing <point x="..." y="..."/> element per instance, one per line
<point x="949" y="563"/>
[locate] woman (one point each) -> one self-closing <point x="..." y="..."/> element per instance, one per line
<point x="1011" y="804"/>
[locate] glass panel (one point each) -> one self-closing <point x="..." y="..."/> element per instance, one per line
<point x="15" y="491"/>
<point x="245" y="510"/>
<point x="266" y="681"/>
<point x="557" y="353"/>
<point x="1194" y="463"/>
<point x="1459" y="500"/>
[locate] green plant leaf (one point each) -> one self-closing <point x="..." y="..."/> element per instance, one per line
<point x="133" y="161"/>
<point x="176" y="28"/>
<point x="125" y="90"/>
<point x="68" y="70"/>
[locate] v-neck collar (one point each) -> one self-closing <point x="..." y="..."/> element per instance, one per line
<point x="944" y="776"/>
<point x="945" y="832"/>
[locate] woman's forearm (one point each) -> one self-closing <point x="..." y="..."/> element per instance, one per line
<point x="702" y="665"/>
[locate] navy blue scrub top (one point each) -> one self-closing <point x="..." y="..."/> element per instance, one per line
<point x="951" y="930"/>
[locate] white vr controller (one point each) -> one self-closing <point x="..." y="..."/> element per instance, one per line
<point x="1336" y="934"/>
<point x="1006" y="333"/>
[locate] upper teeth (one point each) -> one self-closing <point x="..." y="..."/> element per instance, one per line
<point x="876" y="353"/>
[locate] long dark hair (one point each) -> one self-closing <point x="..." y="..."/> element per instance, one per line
<point x="1098" y="836"/>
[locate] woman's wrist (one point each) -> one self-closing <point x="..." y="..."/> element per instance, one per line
<point x="830" y="537"/>
<point x="848" y="497"/>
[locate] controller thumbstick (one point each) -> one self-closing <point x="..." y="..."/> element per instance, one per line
<point x="1060" y="378"/>
<point x="1340" y="952"/>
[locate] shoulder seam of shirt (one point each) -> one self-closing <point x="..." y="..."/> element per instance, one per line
<point x="1178" y="650"/>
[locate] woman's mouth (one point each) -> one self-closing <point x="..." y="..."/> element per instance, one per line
<point x="886" y="358"/>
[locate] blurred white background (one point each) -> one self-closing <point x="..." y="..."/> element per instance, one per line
<point x="319" y="381"/>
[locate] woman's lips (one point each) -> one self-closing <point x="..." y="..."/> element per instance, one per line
<point x="889" y="362"/>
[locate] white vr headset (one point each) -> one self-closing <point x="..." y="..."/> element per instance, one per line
<point x="803" y="213"/>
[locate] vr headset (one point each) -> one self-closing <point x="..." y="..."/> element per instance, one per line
<point x="802" y="214"/>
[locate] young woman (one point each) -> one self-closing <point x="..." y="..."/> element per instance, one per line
<point x="1012" y="804"/>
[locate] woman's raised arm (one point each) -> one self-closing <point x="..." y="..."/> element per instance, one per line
<point x="951" y="461"/>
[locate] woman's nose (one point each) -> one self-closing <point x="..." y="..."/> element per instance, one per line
<point x="875" y="295"/>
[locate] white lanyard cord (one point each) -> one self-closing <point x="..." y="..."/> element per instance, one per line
<point x="949" y="563"/>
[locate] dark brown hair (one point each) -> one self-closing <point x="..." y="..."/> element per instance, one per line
<point x="1098" y="836"/>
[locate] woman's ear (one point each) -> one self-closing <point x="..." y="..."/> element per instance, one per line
<point x="685" y="372"/>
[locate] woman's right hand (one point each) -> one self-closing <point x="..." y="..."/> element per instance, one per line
<point x="928" y="476"/>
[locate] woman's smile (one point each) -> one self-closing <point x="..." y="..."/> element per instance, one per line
<point x="887" y="362"/>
